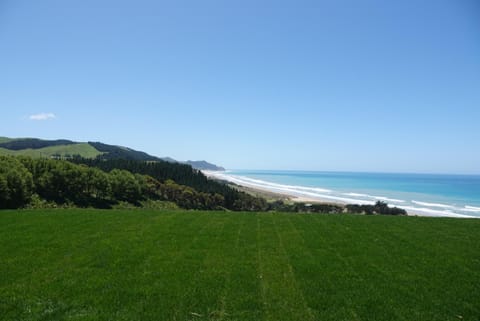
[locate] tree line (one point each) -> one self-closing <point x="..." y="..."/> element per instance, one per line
<point x="182" y="174"/>
<point x="79" y="182"/>
<point x="27" y="181"/>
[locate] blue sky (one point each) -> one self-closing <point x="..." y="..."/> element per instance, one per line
<point x="313" y="85"/>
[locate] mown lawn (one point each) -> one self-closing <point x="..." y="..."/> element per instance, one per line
<point x="179" y="265"/>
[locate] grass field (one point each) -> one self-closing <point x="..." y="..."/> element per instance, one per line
<point x="178" y="265"/>
<point x="84" y="149"/>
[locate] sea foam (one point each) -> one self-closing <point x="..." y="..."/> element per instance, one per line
<point x="432" y="204"/>
<point x="386" y="199"/>
<point x="471" y="208"/>
<point x="356" y="194"/>
<point x="432" y="212"/>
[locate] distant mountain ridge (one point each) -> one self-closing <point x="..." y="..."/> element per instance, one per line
<point x="204" y="165"/>
<point x="63" y="148"/>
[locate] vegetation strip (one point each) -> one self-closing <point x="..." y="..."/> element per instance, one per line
<point x="122" y="183"/>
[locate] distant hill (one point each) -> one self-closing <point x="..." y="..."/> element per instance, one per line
<point x="33" y="143"/>
<point x="203" y="165"/>
<point x="62" y="148"/>
<point x="120" y="152"/>
<point x="4" y="139"/>
<point x="62" y="151"/>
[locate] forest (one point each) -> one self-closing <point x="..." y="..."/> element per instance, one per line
<point x="38" y="182"/>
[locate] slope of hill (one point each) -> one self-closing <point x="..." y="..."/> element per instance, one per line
<point x="33" y="143"/>
<point x="4" y="139"/>
<point x="61" y="151"/>
<point x="119" y="152"/>
<point x="204" y="165"/>
<point x="63" y="148"/>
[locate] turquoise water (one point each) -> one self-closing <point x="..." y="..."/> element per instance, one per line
<point x="433" y="194"/>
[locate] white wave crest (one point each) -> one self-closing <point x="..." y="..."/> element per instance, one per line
<point x="433" y="212"/>
<point x="471" y="209"/>
<point x="432" y="204"/>
<point x="275" y="185"/>
<point x="386" y="199"/>
<point x="357" y="194"/>
<point x="380" y="198"/>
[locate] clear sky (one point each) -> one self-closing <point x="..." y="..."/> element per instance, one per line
<point x="311" y="85"/>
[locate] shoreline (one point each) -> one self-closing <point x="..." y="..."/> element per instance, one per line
<point x="286" y="192"/>
<point x="269" y="194"/>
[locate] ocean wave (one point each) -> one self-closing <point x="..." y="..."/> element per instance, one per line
<point x="380" y="198"/>
<point x="292" y="190"/>
<point x="357" y="194"/>
<point x="432" y="204"/>
<point x="386" y="199"/>
<point x="323" y="197"/>
<point x="468" y="208"/>
<point x="433" y="212"/>
<point x="265" y="183"/>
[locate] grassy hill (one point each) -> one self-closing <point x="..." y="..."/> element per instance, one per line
<point x="84" y="149"/>
<point x="182" y="265"/>
<point x="35" y="147"/>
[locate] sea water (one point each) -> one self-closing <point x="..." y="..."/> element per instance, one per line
<point x="424" y="194"/>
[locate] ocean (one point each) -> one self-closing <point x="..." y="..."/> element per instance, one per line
<point x="424" y="194"/>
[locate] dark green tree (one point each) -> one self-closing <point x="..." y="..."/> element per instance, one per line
<point x="16" y="183"/>
<point x="124" y="186"/>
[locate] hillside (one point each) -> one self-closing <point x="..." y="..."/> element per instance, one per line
<point x="4" y="139"/>
<point x="203" y="165"/>
<point x="33" y="143"/>
<point x="62" y="148"/>
<point x="184" y="265"/>
<point x="60" y="151"/>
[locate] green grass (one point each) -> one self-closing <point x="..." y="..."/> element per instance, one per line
<point x="179" y="265"/>
<point x="5" y="139"/>
<point x="84" y="149"/>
